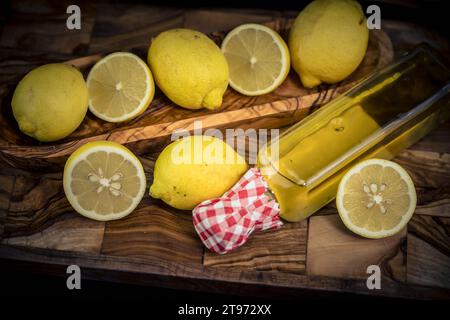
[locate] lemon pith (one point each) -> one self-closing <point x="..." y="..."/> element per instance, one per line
<point x="376" y="198"/>
<point x="121" y="87"/>
<point x="103" y="180"/>
<point x="258" y="59"/>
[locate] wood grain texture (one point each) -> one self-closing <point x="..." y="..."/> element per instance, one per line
<point x="435" y="141"/>
<point x="69" y="233"/>
<point x="434" y="230"/>
<point x="404" y="39"/>
<point x="427" y="265"/>
<point x="173" y="274"/>
<point x="33" y="31"/>
<point x="156" y="245"/>
<point x="281" y="250"/>
<point x="335" y="251"/>
<point x="6" y="187"/>
<point x="35" y="201"/>
<point x="428" y="258"/>
<point x="433" y="201"/>
<point x="426" y="168"/>
<point x="152" y="232"/>
<point x="207" y="21"/>
<point x="286" y="105"/>
<point x="121" y="27"/>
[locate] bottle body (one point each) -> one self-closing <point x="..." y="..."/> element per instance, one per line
<point x="378" y="118"/>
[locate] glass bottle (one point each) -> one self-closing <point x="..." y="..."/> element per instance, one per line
<point x="385" y="113"/>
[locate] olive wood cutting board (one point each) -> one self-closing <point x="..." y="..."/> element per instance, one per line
<point x="286" y="105"/>
<point x="156" y="245"/>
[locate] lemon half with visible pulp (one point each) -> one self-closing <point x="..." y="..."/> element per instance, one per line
<point x="104" y="180"/>
<point x="120" y="87"/>
<point x="258" y="59"/>
<point x="376" y="198"/>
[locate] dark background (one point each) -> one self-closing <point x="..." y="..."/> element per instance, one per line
<point x="432" y="13"/>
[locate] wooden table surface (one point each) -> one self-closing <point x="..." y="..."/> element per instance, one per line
<point x="315" y="254"/>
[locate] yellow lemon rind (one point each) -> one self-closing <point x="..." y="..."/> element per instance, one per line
<point x="406" y="216"/>
<point x="81" y="154"/>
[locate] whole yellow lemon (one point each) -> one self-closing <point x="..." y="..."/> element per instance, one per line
<point x="50" y="102"/>
<point x="194" y="169"/>
<point x="328" y="41"/>
<point x="189" y="68"/>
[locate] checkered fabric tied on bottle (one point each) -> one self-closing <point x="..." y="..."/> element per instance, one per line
<point x="226" y="223"/>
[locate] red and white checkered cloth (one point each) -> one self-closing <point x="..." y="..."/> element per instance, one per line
<point x="225" y="223"/>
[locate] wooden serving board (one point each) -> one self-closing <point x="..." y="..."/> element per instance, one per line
<point x="157" y="245"/>
<point x="286" y="105"/>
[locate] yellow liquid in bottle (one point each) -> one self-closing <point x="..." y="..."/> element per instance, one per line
<point x="353" y="129"/>
<point x="342" y="133"/>
<point x="298" y="202"/>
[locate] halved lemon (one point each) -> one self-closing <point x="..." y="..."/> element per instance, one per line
<point x="120" y="87"/>
<point x="376" y="198"/>
<point x="104" y="180"/>
<point x="258" y="59"/>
